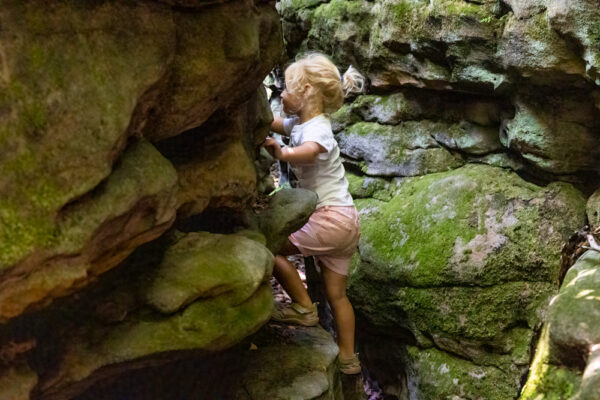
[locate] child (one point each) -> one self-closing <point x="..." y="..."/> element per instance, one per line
<point x="314" y="89"/>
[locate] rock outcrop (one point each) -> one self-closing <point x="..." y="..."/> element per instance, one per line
<point x="118" y="122"/>
<point x="460" y="265"/>
<point x="209" y="292"/>
<point x="458" y="262"/>
<point x="566" y="360"/>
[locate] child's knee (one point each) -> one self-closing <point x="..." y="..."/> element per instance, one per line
<point x="335" y="295"/>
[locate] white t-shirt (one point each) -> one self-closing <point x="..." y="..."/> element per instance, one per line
<point x="325" y="177"/>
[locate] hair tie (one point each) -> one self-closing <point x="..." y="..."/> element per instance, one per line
<point x="342" y="78"/>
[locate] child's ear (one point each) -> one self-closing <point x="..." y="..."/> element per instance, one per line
<point x="308" y="89"/>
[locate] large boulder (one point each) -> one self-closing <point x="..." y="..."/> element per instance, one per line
<point x="209" y="292"/>
<point x="291" y="363"/>
<point x="78" y="83"/>
<point x="288" y="210"/>
<point x="565" y="364"/>
<point x="74" y="83"/>
<point x="465" y="261"/>
<point x="190" y="270"/>
<point x="411" y="105"/>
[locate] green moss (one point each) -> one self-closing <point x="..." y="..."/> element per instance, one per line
<point x="202" y="265"/>
<point x="538" y="28"/>
<point x="415" y="18"/>
<point x="548" y="381"/>
<point x="414" y="238"/>
<point x="420" y="244"/>
<point x="442" y="376"/>
<point x="21" y="233"/>
<point x="473" y="313"/>
<point x="343" y="117"/>
<point x="364" y="186"/>
<point x="142" y="172"/>
<point x="346" y="21"/>
<point x="340" y="9"/>
<point x="211" y="324"/>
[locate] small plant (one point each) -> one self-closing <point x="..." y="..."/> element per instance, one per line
<point x="486" y="20"/>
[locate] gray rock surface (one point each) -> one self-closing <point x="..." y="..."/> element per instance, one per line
<point x="287" y="211"/>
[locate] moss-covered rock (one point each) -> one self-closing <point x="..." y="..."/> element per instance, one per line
<point x="409" y="105"/>
<point x="465" y="261"/>
<point x="579" y="20"/>
<point x="403" y="150"/>
<point x="135" y="205"/>
<point x="538" y="52"/>
<point x="438" y="375"/>
<point x="564" y="365"/>
<point x="72" y="80"/>
<point x="288" y="210"/>
<point x="146" y="338"/>
<point x="593" y="209"/>
<point x="475" y="225"/>
<point x="538" y="132"/>
<point x="452" y="44"/>
<point x="340" y="28"/>
<point x="300" y="367"/>
<point x="202" y="265"/>
<point x="361" y="186"/>
<point x="77" y="82"/>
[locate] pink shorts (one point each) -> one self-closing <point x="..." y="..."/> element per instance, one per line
<point x="331" y="236"/>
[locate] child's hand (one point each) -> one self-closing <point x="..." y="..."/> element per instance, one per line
<point x="273" y="147"/>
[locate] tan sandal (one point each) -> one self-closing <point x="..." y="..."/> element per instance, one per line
<point x="296" y="314"/>
<point x="349" y="366"/>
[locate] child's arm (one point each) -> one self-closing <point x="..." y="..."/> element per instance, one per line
<point x="304" y="154"/>
<point x="277" y="125"/>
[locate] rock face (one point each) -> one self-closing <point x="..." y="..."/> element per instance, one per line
<point x="478" y="118"/>
<point x="69" y="107"/>
<point x="565" y="364"/>
<point x="291" y="363"/>
<point x="461" y="265"/>
<point x="209" y="292"/>
<point x="117" y="122"/>
<point x="288" y="211"/>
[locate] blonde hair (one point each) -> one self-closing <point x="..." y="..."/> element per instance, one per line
<point x="317" y="70"/>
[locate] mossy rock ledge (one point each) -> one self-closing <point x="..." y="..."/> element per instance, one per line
<point x="461" y="265"/>
<point x="209" y="292"/>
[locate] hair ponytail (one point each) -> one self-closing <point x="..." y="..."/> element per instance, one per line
<point x="352" y="81"/>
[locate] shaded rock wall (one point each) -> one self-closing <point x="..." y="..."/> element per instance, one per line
<point x="471" y="158"/>
<point x="119" y="122"/>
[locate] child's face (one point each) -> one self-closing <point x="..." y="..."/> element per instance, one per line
<point x="292" y="102"/>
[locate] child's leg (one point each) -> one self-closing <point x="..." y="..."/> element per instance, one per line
<point x="287" y="275"/>
<point x="335" y="288"/>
